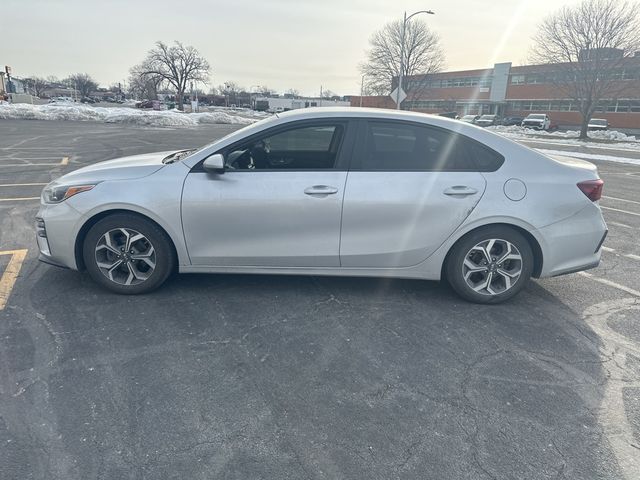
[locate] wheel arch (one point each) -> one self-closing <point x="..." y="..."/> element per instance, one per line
<point x="82" y="233"/>
<point x="538" y="258"/>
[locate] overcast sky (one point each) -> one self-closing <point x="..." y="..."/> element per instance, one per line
<point x="278" y="43"/>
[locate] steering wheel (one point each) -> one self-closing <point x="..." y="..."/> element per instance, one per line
<point x="239" y="159"/>
<point x="256" y="156"/>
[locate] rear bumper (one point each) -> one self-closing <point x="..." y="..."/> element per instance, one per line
<point x="574" y="244"/>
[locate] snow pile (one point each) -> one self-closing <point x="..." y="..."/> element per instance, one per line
<point x="610" y="135"/>
<point x="166" y="118"/>
<point x="515" y="131"/>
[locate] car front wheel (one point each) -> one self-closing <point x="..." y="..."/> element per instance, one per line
<point x="128" y="254"/>
<point x="490" y="265"/>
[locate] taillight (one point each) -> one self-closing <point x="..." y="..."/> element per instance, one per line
<point x="592" y="189"/>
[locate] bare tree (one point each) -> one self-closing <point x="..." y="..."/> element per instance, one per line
<point x="231" y="91"/>
<point x="37" y="85"/>
<point x="53" y="81"/>
<point x="422" y="55"/>
<point x="326" y="93"/>
<point x="591" y="43"/>
<point x="265" y="91"/>
<point x="177" y="65"/>
<point x="143" y="85"/>
<point x="293" y="92"/>
<point x="83" y="83"/>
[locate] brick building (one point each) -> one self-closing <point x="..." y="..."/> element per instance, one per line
<point x="507" y="90"/>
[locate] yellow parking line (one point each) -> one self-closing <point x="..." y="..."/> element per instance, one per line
<point x="63" y="162"/>
<point x="18" y="199"/>
<point x="10" y="274"/>
<point x="22" y="184"/>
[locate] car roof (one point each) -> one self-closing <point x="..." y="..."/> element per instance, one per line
<point x="315" y="113"/>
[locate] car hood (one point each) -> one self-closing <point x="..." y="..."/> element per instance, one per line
<point x="125" y="168"/>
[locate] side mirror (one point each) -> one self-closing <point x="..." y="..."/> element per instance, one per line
<point x="214" y="163"/>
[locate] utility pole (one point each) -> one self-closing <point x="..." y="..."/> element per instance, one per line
<point x="404" y="32"/>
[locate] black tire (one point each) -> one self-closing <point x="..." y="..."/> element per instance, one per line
<point x="459" y="252"/>
<point x="164" y="253"/>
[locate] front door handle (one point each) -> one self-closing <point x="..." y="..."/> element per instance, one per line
<point x="320" y="190"/>
<point x="460" y="191"/>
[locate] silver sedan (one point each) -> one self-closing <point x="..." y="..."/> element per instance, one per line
<point x="327" y="191"/>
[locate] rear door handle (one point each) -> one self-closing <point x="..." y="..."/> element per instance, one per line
<point x="460" y="190"/>
<point x="320" y="190"/>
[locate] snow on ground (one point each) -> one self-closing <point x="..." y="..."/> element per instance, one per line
<point x="162" y="118"/>
<point x="610" y="139"/>
<point x="606" y="135"/>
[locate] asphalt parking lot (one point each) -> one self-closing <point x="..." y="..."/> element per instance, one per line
<point x="247" y="377"/>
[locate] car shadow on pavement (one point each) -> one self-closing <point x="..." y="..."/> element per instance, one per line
<point x="294" y="377"/>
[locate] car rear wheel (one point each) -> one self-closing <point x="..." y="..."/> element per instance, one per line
<point x="128" y="254"/>
<point x="490" y="265"/>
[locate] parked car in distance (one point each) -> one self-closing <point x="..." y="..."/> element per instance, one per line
<point x="509" y="121"/>
<point x="449" y="115"/>
<point x="61" y="100"/>
<point x="470" y="118"/>
<point x="598" y="124"/>
<point x="331" y="191"/>
<point x="487" y="120"/>
<point x="537" y="121"/>
<point x="87" y="100"/>
<point x="146" y="104"/>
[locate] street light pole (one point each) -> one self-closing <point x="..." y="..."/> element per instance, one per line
<point x="252" y="97"/>
<point x="404" y="32"/>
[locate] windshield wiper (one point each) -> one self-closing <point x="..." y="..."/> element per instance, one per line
<point x="175" y="156"/>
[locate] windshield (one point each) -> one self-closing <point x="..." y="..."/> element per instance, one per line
<point x="598" y="121"/>
<point x="536" y="117"/>
<point x="487" y="117"/>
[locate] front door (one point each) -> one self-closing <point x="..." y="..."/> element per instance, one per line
<point x="278" y="204"/>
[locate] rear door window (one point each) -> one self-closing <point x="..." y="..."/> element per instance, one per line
<point x="400" y="146"/>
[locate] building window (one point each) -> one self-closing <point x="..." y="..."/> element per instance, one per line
<point x="517" y="79"/>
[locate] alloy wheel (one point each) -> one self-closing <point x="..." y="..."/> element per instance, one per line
<point x="492" y="266"/>
<point x="125" y="256"/>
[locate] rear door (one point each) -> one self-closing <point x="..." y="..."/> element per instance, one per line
<point x="409" y="187"/>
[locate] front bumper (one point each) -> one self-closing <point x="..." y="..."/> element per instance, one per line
<point x="56" y="231"/>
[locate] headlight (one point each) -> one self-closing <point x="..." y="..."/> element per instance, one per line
<point x="58" y="193"/>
